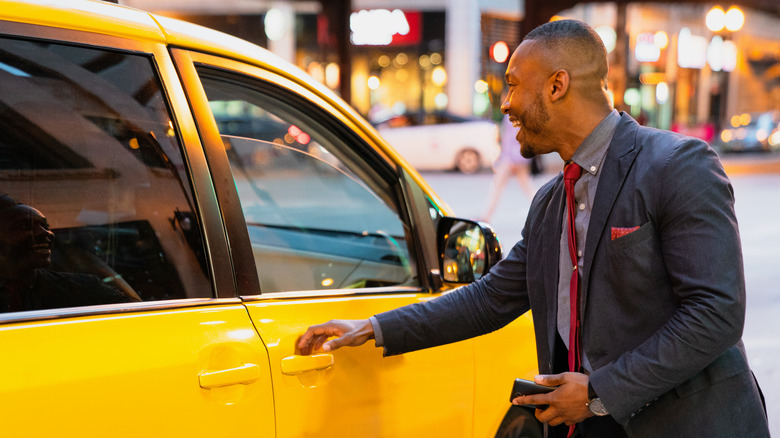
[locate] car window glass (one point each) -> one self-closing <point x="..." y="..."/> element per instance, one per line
<point x="96" y="204"/>
<point x="317" y="216"/>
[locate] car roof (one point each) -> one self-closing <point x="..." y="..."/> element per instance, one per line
<point x="116" y="20"/>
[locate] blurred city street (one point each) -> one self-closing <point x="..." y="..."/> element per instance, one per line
<point x="756" y="184"/>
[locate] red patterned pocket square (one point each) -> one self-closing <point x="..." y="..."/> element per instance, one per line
<point x="622" y="231"/>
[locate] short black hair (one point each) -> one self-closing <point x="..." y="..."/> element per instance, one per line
<point x="564" y="29"/>
<point x="565" y="39"/>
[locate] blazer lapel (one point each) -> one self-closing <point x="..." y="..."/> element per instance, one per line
<point x="620" y="158"/>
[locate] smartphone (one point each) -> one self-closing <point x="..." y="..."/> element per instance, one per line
<point x="527" y="387"/>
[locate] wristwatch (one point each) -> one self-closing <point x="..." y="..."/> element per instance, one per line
<point x="594" y="403"/>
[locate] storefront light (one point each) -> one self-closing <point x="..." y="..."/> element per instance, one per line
<point x="373" y="83"/>
<point x="400" y="60"/>
<point x="481" y="86"/>
<point x="439" y="76"/>
<point x="383" y="61"/>
<point x="436" y="58"/>
<point x="440" y="101"/>
<point x="332" y="79"/>
<point x="631" y="97"/>
<point x="716" y="19"/>
<point x="715" y="53"/>
<point x="499" y="52"/>
<point x="691" y="49"/>
<point x="377" y="27"/>
<point x="275" y="24"/>
<point x="608" y="37"/>
<point x="645" y="49"/>
<point x="424" y="61"/>
<point x="314" y="69"/>
<point x="729" y="56"/>
<point x="662" y="93"/>
<point x="774" y="138"/>
<point x="661" y="39"/>
<point x="735" y="19"/>
<point x="481" y="103"/>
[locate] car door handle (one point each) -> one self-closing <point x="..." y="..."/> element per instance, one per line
<point x="292" y="365"/>
<point x="245" y="374"/>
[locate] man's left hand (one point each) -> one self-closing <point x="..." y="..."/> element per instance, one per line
<point x="568" y="404"/>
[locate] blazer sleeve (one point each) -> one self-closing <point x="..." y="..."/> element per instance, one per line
<point x="694" y="214"/>
<point x="472" y="310"/>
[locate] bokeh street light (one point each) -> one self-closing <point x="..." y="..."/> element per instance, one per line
<point x="732" y="20"/>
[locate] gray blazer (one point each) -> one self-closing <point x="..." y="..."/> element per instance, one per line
<point x="663" y="306"/>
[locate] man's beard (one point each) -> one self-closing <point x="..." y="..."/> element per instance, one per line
<point x="534" y="121"/>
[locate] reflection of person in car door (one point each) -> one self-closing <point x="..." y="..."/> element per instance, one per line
<point x="510" y="162"/>
<point x="25" y="253"/>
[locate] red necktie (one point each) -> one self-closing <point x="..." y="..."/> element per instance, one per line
<point x="571" y="173"/>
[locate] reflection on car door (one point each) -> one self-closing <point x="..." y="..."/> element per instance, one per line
<point x="329" y="206"/>
<point x="88" y="143"/>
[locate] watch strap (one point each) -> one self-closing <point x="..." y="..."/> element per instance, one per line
<point x="591" y="392"/>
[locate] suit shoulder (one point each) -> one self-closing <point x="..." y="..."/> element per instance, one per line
<point x="667" y="152"/>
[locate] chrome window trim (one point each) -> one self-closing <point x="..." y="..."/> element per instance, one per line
<point x="335" y="293"/>
<point x="111" y="309"/>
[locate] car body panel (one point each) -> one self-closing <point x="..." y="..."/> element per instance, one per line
<point x="227" y="364"/>
<point x="91" y="16"/>
<point x="362" y="392"/>
<point x="134" y="374"/>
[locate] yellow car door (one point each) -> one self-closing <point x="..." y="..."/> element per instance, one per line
<point x="114" y="318"/>
<point x="323" y="230"/>
<point x="121" y="371"/>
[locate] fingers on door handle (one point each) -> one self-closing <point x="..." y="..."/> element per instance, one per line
<point x="292" y="365"/>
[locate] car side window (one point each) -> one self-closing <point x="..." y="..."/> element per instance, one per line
<point x="97" y="206"/>
<point x="318" y="215"/>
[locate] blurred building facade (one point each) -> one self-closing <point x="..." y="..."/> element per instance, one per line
<point x="673" y="72"/>
<point x="667" y="68"/>
<point x="406" y="54"/>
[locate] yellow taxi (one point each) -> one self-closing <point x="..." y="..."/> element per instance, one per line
<point x="177" y="207"/>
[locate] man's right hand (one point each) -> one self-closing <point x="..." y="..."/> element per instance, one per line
<point x="348" y="333"/>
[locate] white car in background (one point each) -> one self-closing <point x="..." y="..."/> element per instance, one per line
<point x="442" y="141"/>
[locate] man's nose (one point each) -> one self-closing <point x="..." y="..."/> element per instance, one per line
<point x="44" y="233"/>
<point x="505" y="107"/>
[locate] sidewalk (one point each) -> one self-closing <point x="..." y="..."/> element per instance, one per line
<point x="740" y="164"/>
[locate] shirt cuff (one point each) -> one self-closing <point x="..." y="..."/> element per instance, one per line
<point x="377" y="331"/>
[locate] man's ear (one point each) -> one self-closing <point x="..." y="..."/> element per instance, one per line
<point x="558" y="84"/>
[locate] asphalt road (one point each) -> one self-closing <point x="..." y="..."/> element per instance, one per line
<point x="756" y="182"/>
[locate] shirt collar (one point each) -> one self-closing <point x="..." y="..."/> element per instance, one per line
<point x="591" y="152"/>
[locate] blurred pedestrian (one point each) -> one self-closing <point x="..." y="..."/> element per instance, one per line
<point x="510" y="162"/>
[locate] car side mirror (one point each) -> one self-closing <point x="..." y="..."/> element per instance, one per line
<point x="467" y="249"/>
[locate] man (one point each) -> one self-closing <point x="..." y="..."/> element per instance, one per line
<point x="25" y="253"/>
<point x="655" y="267"/>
